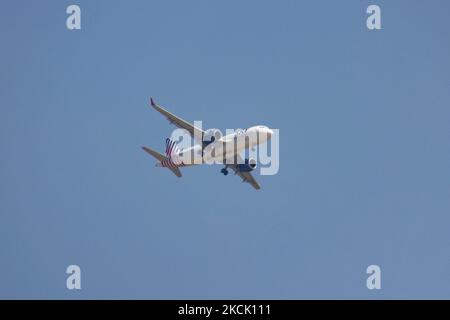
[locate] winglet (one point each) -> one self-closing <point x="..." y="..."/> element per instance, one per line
<point x="152" y="102"/>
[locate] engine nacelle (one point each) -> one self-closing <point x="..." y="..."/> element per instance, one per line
<point x="212" y="135"/>
<point x="249" y="165"/>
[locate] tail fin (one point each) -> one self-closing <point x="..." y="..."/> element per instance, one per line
<point x="162" y="158"/>
<point x="171" y="148"/>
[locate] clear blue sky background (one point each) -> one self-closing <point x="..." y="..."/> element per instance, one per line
<point x="364" y="119"/>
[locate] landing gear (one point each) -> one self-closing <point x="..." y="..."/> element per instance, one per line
<point x="224" y="171"/>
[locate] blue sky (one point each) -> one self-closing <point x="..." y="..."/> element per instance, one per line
<point x="364" y="149"/>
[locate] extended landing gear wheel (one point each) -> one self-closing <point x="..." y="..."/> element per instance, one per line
<point x="224" y="171"/>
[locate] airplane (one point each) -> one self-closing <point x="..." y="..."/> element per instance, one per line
<point x="211" y="140"/>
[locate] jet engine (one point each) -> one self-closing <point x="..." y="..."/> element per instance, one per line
<point x="247" y="166"/>
<point x="212" y="135"/>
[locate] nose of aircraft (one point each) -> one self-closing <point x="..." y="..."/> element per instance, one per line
<point x="262" y="131"/>
<point x="266" y="131"/>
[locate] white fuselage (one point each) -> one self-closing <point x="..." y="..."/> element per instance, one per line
<point x="226" y="148"/>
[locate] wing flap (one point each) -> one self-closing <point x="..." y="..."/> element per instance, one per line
<point x="246" y="177"/>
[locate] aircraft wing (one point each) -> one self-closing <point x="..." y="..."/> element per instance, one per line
<point x="195" y="132"/>
<point x="246" y="177"/>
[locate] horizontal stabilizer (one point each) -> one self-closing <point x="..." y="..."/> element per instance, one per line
<point x="161" y="158"/>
